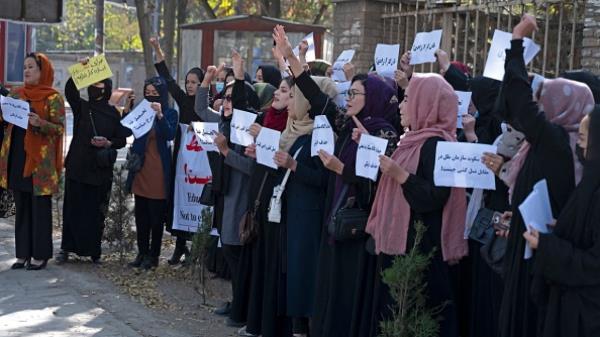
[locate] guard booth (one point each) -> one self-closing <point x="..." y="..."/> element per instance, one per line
<point x="210" y="42"/>
<point x="16" y="33"/>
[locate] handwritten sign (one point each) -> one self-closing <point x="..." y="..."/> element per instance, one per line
<point x="240" y="127"/>
<point x="338" y="66"/>
<point x="536" y="211"/>
<point x="367" y="156"/>
<point x="464" y="99"/>
<point x="386" y="59"/>
<point x="310" y="54"/>
<point x="94" y="71"/>
<point x="424" y="47"/>
<point x="140" y="120"/>
<point x="494" y="65"/>
<point x="192" y="173"/>
<point x="206" y="133"/>
<point x="267" y="143"/>
<point x="459" y="165"/>
<point x="15" y="111"/>
<point x="322" y="136"/>
<point x="342" y="89"/>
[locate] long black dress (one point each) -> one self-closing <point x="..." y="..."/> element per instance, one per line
<point x="549" y="158"/>
<point x="88" y="185"/>
<point x="567" y="266"/>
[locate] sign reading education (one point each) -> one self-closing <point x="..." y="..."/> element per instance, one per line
<point x="386" y="59"/>
<point x="267" y="143"/>
<point x="140" y="120"/>
<point x="15" y="111"/>
<point x="494" y="65"/>
<point x="322" y="136"/>
<point x="206" y="133"/>
<point x="94" y="71"/>
<point x="338" y="67"/>
<point x="424" y="47"/>
<point x="240" y="127"/>
<point x="459" y="165"/>
<point x="367" y="156"/>
<point x="191" y="176"/>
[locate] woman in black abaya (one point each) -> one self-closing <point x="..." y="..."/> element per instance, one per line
<point x="567" y="266"/>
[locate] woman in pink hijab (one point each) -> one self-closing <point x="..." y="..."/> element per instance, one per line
<point x="407" y="194"/>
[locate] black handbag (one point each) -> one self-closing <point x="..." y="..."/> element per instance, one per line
<point x="249" y="225"/>
<point x="493" y="253"/>
<point x="482" y="230"/>
<point x="207" y="198"/>
<point x="348" y="222"/>
<point x="133" y="162"/>
<point x="105" y="157"/>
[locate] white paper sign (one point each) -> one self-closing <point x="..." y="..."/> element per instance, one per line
<point x="15" y="111"/>
<point x="464" y="99"/>
<point x="206" y="133"/>
<point x="367" y="156"/>
<point x="424" y="47"/>
<point x="338" y="66"/>
<point x="459" y="165"/>
<point x="342" y="89"/>
<point x="386" y="59"/>
<point x="310" y="53"/>
<point x="267" y="143"/>
<point x="322" y="136"/>
<point x="191" y="174"/>
<point x="140" y="120"/>
<point x="536" y="211"/>
<point x="494" y="65"/>
<point x="240" y="127"/>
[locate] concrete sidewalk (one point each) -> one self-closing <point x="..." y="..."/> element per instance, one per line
<point x="63" y="302"/>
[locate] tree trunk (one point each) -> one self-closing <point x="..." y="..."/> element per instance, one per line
<point x="210" y="13"/>
<point x="99" y="29"/>
<point x="144" y="23"/>
<point x="275" y="8"/>
<point x="169" y="17"/>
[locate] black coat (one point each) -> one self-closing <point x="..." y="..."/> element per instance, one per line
<point x="80" y="162"/>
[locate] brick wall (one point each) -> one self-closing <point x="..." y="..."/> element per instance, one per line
<point x="357" y="25"/>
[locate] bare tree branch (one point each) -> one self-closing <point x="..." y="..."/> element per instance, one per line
<point x="207" y="9"/>
<point x="144" y="23"/>
<point x="319" y="16"/>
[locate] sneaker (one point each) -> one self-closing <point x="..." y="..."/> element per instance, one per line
<point x="137" y="262"/>
<point x="223" y="310"/>
<point x="243" y="332"/>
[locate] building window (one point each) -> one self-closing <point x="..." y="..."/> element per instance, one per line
<point x="15" y="51"/>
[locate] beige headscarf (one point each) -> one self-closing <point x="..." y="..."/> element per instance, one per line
<point x="299" y="123"/>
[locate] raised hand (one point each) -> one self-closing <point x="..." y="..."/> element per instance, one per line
<point x="358" y="130"/>
<point x="238" y="65"/>
<point x="282" y="43"/>
<point x="405" y="64"/>
<point x="443" y="60"/>
<point x="524" y="28"/>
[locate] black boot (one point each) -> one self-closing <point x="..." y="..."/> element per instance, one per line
<point x="179" y="251"/>
<point x="137" y="262"/>
<point x="149" y="262"/>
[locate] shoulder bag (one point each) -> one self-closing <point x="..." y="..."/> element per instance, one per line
<point x="275" y="204"/>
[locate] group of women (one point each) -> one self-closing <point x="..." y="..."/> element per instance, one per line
<point x="300" y="276"/>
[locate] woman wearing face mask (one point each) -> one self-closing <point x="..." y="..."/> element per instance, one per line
<point x="566" y="268"/>
<point x="550" y="127"/>
<point x="150" y="183"/>
<point x="339" y="281"/>
<point x="185" y="100"/>
<point x="31" y="163"/>
<point x="89" y="169"/>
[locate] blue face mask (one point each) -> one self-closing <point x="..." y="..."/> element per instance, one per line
<point x="219" y="86"/>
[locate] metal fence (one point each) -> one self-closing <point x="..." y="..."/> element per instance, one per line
<point x="469" y="25"/>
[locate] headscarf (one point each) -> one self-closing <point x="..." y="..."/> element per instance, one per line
<point x="484" y="92"/>
<point x="271" y="75"/>
<point x="198" y="72"/>
<point x="463" y="68"/>
<point x="564" y="103"/>
<point x="432" y="107"/>
<point x="587" y="77"/>
<point x="102" y="104"/>
<point x="37" y="95"/>
<point x="300" y="123"/>
<point x="265" y="93"/>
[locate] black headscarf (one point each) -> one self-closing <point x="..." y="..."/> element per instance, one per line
<point x="102" y="105"/>
<point x="584" y="76"/>
<point x="271" y="75"/>
<point x="198" y="72"/>
<point x="484" y="92"/>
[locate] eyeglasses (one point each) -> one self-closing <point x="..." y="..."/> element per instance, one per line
<point x="352" y="93"/>
<point x="227" y="98"/>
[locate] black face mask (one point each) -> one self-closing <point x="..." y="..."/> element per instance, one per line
<point x="579" y="153"/>
<point x="152" y="99"/>
<point x="95" y="93"/>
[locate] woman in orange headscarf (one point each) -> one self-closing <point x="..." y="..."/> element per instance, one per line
<point x="31" y="162"/>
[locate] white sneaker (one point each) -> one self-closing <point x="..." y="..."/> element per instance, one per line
<point x="242" y="332"/>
